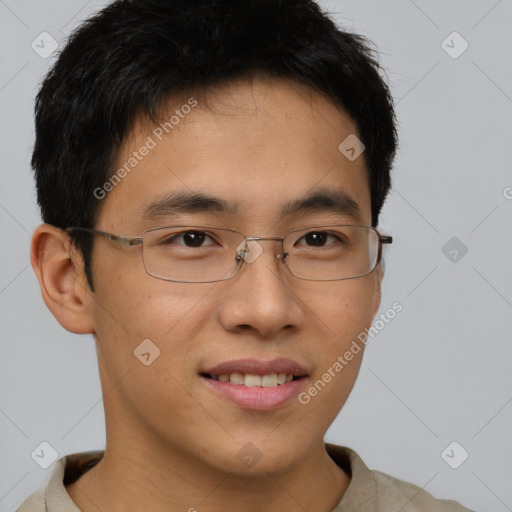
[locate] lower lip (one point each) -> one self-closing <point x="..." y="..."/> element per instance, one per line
<point x="257" y="398"/>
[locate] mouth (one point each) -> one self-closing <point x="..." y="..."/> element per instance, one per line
<point x="252" y="380"/>
<point x="257" y="385"/>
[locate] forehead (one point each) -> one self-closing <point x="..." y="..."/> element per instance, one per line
<point x="257" y="145"/>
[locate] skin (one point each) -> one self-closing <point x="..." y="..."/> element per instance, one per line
<point x="172" y="443"/>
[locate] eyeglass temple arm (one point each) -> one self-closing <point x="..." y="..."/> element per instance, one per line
<point x="119" y="239"/>
<point x="383" y="239"/>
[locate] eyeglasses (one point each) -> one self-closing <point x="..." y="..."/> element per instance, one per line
<point x="205" y="254"/>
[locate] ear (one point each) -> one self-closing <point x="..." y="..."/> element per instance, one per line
<point x="379" y="274"/>
<point x="59" y="270"/>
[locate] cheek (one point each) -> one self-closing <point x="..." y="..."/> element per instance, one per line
<point x="341" y="315"/>
<point x="158" y="319"/>
<point x="128" y="312"/>
<point x="345" y="309"/>
<point x="134" y="312"/>
<point x="128" y="299"/>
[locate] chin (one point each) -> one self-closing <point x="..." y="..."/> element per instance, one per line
<point x="257" y="456"/>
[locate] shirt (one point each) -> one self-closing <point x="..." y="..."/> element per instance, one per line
<point x="368" y="491"/>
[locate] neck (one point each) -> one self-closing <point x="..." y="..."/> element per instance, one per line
<point x="134" y="477"/>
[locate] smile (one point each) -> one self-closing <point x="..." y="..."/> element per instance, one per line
<point x="251" y="380"/>
<point x="256" y="385"/>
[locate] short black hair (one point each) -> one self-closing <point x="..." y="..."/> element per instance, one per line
<point x="134" y="54"/>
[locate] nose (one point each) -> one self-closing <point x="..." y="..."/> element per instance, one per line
<point x="260" y="298"/>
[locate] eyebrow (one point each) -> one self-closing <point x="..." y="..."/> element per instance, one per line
<point x="324" y="201"/>
<point x="175" y="203"/>
<point x="320" y="201"/>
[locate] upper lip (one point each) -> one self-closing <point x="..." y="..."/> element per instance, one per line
<point x="257" y="367"/>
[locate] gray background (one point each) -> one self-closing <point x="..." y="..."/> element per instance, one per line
<point x="437" y="373"/>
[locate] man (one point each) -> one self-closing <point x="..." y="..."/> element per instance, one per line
<point x="211" y="176"/>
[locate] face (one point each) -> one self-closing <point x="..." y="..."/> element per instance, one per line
<point x="257" y="146"/>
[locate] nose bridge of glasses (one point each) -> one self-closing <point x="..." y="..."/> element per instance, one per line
<point x="250" y="249"/>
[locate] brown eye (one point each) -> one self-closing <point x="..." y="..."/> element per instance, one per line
<point x="187" y="238"/>
<point x="319" y="238"/>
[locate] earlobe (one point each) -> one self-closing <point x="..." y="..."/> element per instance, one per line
<point x="59" y="270"/>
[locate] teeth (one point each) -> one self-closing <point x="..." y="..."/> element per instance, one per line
<point x="236" y="378"/>
<point x="268" y="381"/>
<point x="251" y="380"/>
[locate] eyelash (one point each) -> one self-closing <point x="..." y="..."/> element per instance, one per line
<point x="169" y="240"/>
